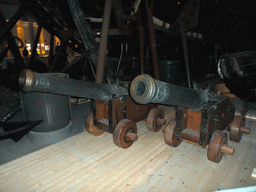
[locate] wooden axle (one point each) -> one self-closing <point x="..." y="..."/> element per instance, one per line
<point x="224" y="149"/>
<point x="245" y="130"/>
<point x="161" y="121"/>
<point x="131" y="136"/>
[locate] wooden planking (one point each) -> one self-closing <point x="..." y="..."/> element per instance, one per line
<point x="88" y="163"/>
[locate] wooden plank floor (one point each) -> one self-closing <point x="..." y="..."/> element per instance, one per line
<point x="87" y="163"/>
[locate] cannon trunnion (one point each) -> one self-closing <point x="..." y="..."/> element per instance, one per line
<point x="202" y="117"/>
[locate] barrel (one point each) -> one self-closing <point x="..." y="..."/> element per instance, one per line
<point x="144" y="89"/>
<point x="30" y="81"/>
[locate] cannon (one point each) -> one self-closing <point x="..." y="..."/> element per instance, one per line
<point x="238" y="70"/>
<point x="113" y="111"/>
<point x="32" y="81"/>
<point x="202" y="117"/>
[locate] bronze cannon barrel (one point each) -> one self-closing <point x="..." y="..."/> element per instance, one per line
<point x="144" y="89"/>
<point x="30" y="81"/>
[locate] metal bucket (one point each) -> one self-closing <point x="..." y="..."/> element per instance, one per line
<point x="53" y="109"/>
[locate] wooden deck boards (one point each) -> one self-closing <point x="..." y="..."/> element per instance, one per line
<point x="88" y="163"/>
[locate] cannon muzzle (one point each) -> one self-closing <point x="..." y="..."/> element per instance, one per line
<point x="144" y="89"/>
<point x="56" y="83"/>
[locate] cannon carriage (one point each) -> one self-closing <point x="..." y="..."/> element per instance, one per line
<point x="202" y="117"/>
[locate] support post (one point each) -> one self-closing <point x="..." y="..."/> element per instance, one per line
<point x="152" y="37"/>
<point x="33" y="52"/>
<point x="141" y="41"/>
<point x="185" y="52"/>
<point x="103" y="42"/>
<point x="51" y="50"/>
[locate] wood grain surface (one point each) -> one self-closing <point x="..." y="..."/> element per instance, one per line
<point x="88" y="163"/>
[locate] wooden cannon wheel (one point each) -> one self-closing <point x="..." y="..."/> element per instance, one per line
<point x="218" y="146"/>
<point x="125" y="133"/>
<point x="237" y="128"/>
<point x="90" y="128"/>
<point x="155" y="119"/>
<point x="170" y="134"/>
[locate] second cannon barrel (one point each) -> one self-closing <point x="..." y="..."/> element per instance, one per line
<point x="144" y="89"/>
